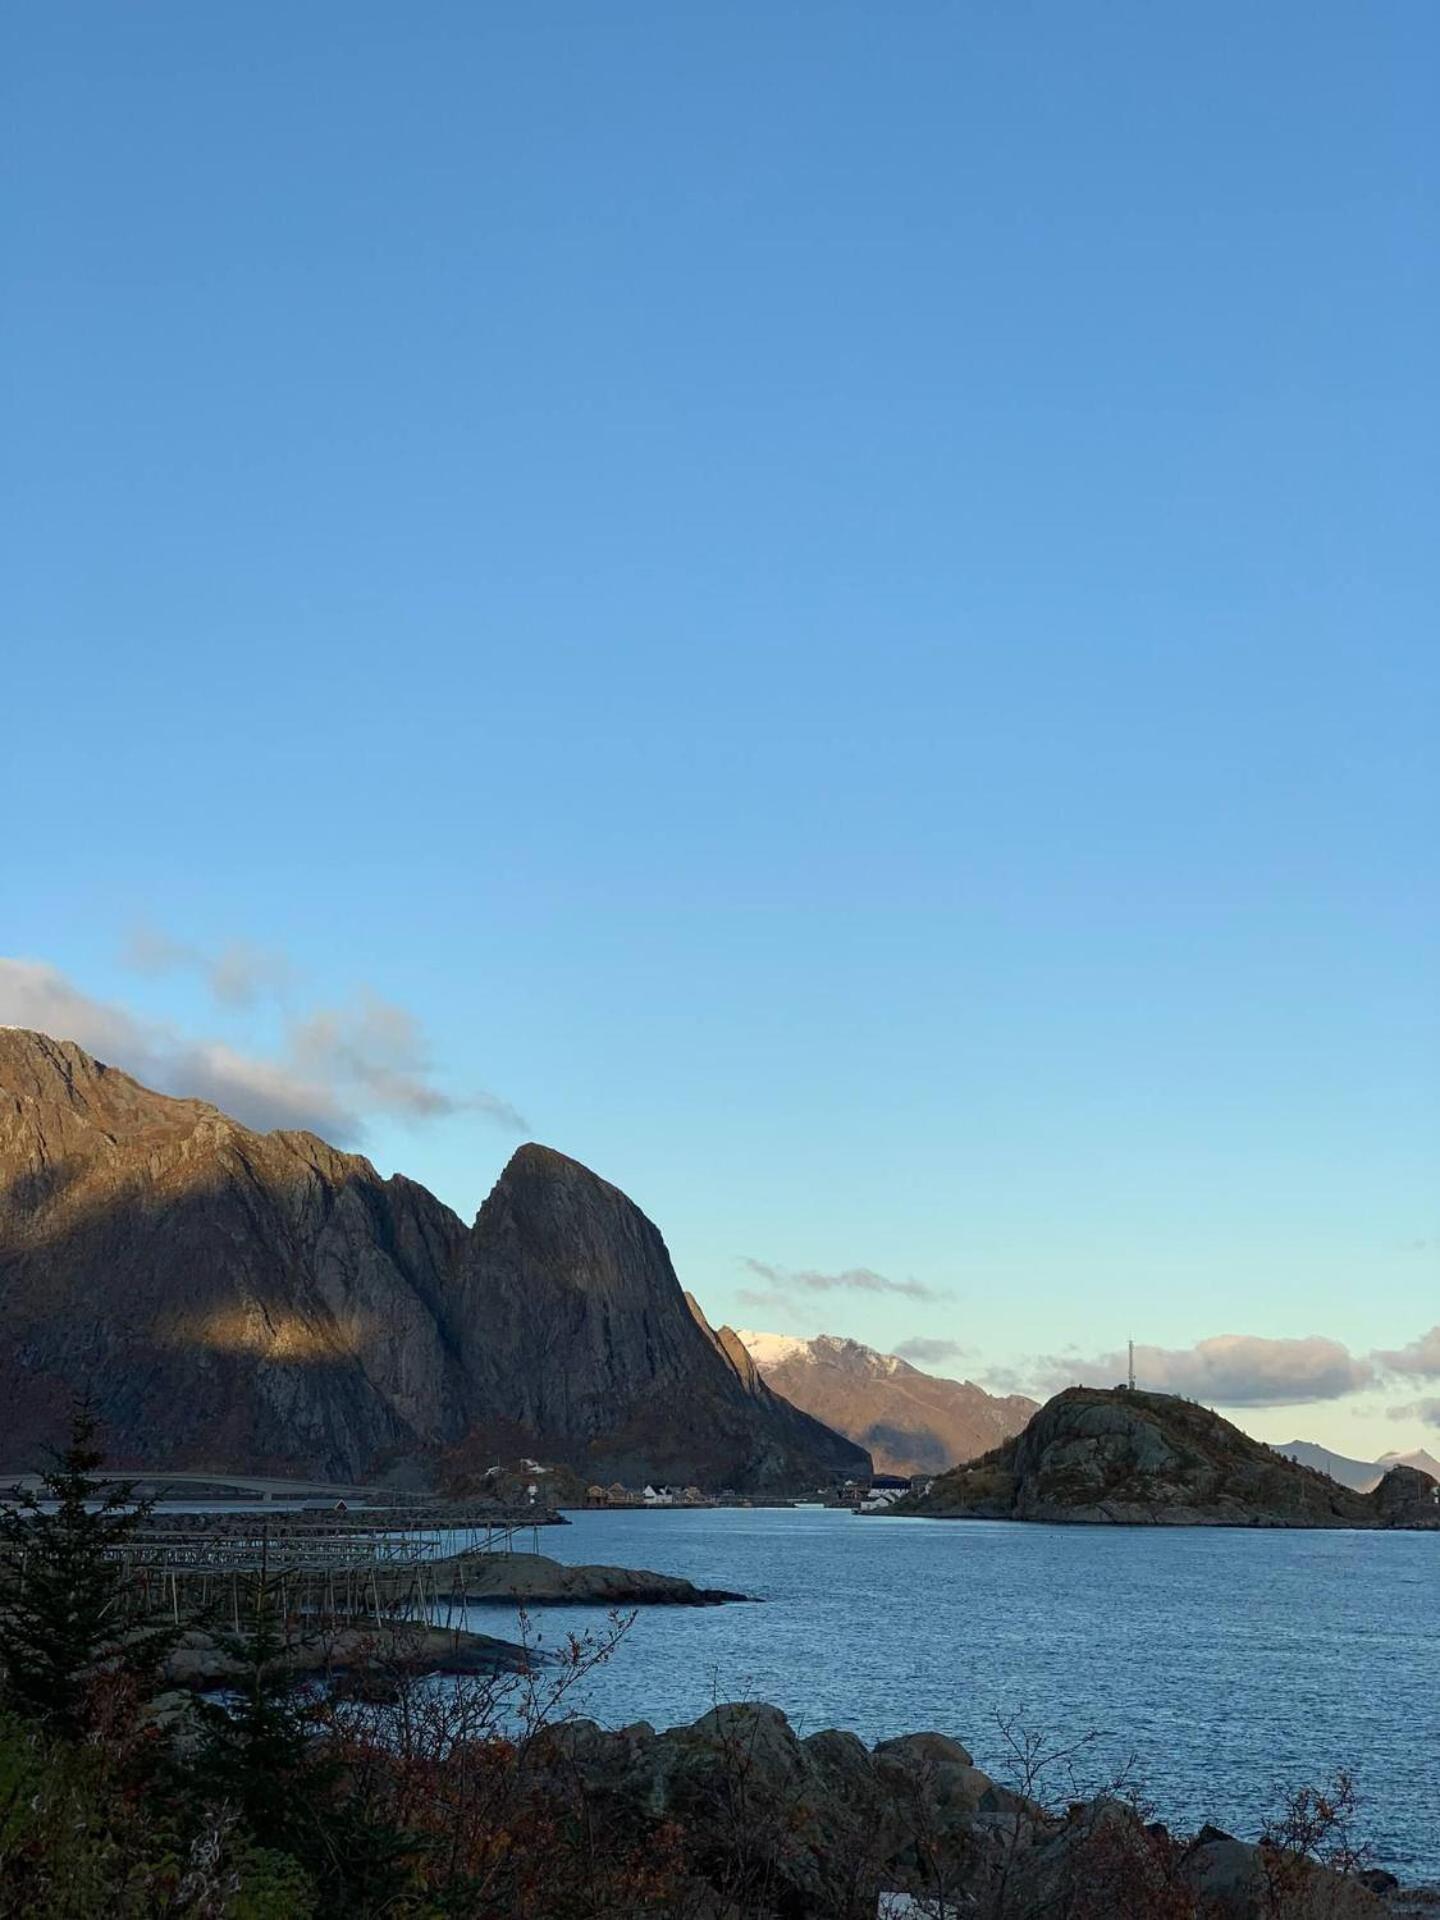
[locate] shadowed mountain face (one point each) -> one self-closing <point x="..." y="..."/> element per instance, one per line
<point x="912" y="1422"/>
<point x="263" y="1301"/>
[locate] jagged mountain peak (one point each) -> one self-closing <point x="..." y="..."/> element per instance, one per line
<point x="770" y="1350"/>
<point x="266" y="1300"/>
<point x="1420" y="1458"/>
<point x="533" y="1160"/>
<point x="911" y="1422"/>
<point x="553" y="1191"/>
<point x="731" y="1345"/>
<point x="835" y="1350"/>
<point x="75" y="1119"/>
<point x="824" y="1349"/>
<point x="1362" y="1475"/>
<point x="58" y="1073"/>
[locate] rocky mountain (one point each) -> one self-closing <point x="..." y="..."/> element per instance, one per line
<point x="912" y="1422"/>
<point x="1363" y="1475"/>
<point x="1096" y="1455"/>
<point x="232" y="1298"/>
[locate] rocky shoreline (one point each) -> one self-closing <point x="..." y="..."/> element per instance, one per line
<point x="759" y="1823"/>
<point x="201" y="1660"/>
<point x="535" y="1580"/>
<point x="816" y="1818"/>
<point x="395" y="1646"/>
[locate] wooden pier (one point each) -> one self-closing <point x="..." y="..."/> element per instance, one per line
<point x="331" y="1569"/>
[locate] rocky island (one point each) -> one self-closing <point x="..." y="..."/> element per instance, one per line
<point x="534" y="1580"/>
<point x="1118" y="1456"/>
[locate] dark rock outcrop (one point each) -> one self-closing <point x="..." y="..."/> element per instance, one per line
<point x="202" y="1659"/>
<point x="534" y="1580"/>
<point x="1129" y="1458"/>
<point x="1406" y="1497"/>
<point x="819" y="1827"/>
<point x="911" y="1422"/>
<point x="236" y="1299"/>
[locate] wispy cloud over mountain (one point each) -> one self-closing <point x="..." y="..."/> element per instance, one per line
<point x="1230" y="1369"/>
<point x="1427" y="1411"/>
<point x="262" y="1092"/>
<point x="378" y="1049"/>
<point x="1421" y="1357"/>
<point x="336" y="1067"/>
<point x="925" y="1352"/>
<point x="784" y="1282"/>
<point x="237" y="974"/>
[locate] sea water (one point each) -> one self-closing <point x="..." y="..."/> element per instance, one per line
<point x="1219" y="1666"/>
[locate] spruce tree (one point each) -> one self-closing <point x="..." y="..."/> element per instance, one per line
<point x="265" y="1752"/>
<point x="260" y="1750"/>
<point x="63" y="1599"/>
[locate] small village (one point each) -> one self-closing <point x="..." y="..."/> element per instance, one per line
<point x="861" y="1496"/>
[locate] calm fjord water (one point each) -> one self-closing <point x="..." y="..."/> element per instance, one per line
<point x="1227" y="1662"/>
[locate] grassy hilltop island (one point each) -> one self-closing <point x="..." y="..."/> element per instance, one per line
<point x="1112" y="1455"/>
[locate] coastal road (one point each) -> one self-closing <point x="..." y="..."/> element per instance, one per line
<point x="191" y="1485"/>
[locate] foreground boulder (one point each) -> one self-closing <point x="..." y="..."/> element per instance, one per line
<point x="824" y="1828"/>
<point x="1233" y="1881"/>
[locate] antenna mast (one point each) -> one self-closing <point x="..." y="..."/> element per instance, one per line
<point x="1132" y="1366"/>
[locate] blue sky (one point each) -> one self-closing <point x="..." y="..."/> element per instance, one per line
<point x="838" y="601"/>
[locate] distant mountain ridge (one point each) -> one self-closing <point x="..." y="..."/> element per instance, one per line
<point x="1363" y="1475"/>
<point x="263" y="1301"/>
<point x="911" y="1422"/>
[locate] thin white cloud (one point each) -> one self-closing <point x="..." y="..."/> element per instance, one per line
<point x="238" y="975"/>
<point x="1230" y="1369"/>
<point x="260" y="1093"/>
<point x="1421" y="1357"/>
<point x="1004" y="1380"/>
<point x="1427" y="1411"/>
<point x="788" y="1280"/>
<point x="924" y="1351"/>
<point x="757" y="1297"/>
<point x="34" y="994"/>
<point x="379" y="1049"/>
<point x="338" y="1067"/>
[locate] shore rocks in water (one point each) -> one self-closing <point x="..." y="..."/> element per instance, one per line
<point x="534" y="1580"/>
<point x="823" y="1826"/>
<point x="201" y="1660"/>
